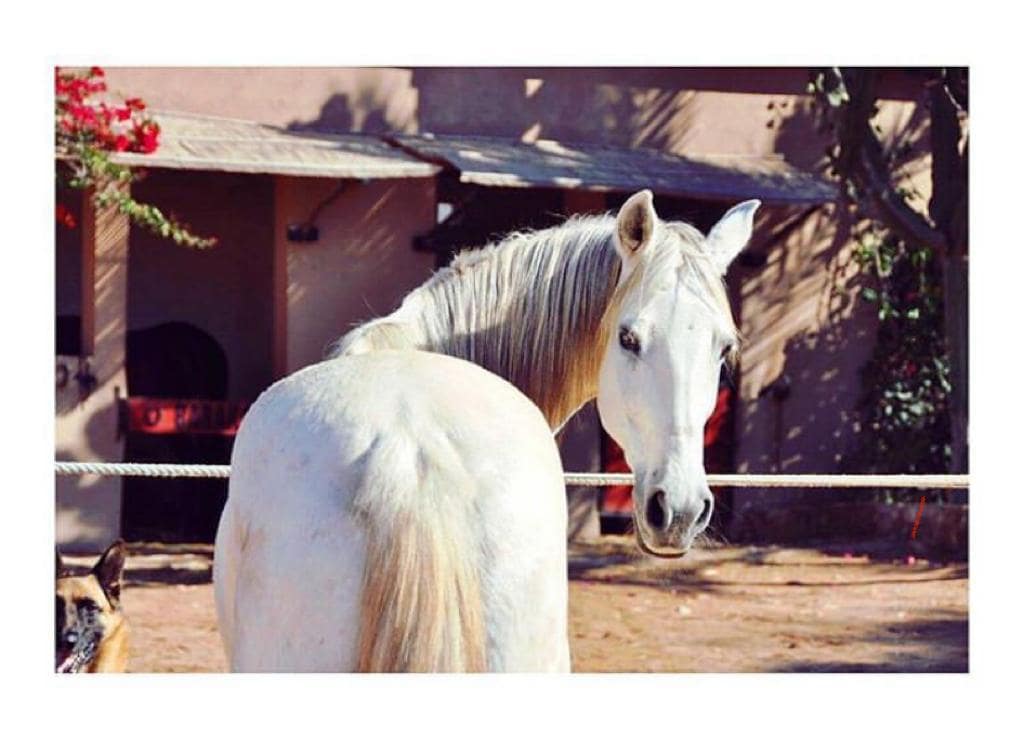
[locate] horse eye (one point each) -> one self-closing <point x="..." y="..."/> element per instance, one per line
<point x="629" y="341"/>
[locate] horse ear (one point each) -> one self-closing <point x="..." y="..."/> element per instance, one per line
<point x="108" y="570"/>
<point x="732" y="232"/>
<point x="634" y="226"/>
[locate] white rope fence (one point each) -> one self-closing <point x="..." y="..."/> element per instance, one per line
<point x="797" y="480"/>
<point x="143" y="469"/>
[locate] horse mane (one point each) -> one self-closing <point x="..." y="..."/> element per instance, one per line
<point x="537" y="307"/>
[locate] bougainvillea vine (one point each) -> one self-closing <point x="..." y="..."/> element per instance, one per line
<point x="91" y="125"/>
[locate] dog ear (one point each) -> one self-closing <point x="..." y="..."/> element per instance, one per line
<point x="108" y="570"/>
<point x="62" y="569"/>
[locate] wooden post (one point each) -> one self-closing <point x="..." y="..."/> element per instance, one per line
<point x="87" y="329"/>
<point x="279" y="280"/>
<point x="89" y="508"/>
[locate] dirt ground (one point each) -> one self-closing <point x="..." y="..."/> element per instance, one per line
<point x="724" y="609"/>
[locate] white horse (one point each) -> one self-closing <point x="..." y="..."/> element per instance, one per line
<point x="393" y="508"/>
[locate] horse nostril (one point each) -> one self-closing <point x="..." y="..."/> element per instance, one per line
<point x="657" y="512"/>
<point x="705" y="515"/>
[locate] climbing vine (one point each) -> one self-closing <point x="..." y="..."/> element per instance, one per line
<point x="907" y="382"/>
<point x="91" y="125"/>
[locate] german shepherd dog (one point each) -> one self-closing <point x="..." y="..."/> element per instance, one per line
<point x="92" y="633"/>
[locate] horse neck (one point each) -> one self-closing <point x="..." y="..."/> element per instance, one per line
<point x="531" y="310"/>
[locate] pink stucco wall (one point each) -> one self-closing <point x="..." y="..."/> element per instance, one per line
<point x="363" y="263"/>
<point x="798" y="322"/>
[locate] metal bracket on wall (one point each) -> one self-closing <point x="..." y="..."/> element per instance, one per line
<point x="447" y="235"/>
<point x="85" y="378"/>
<point x="308" y="232"/>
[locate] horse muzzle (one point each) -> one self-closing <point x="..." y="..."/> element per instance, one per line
<point x="667" y="527"/>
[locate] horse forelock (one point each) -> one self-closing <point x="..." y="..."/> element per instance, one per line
<point x="678" y="257"/>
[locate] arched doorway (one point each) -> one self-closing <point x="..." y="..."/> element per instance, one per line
<point x="174" y="360"/>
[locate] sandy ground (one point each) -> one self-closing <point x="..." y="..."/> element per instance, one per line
<point x="726" y="609"/>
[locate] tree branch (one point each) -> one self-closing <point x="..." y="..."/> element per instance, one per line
<point x="948" y="205"/>
<point x="862" y="159"/>
<point x="872" y="176"/>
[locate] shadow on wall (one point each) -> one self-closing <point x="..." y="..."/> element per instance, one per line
<point x="808" y="335"/>
<point x="658" y="108"/>
<point x="800" y="139"/>
<point x="367" y="109"/>
<point x="563" y="104"/>
<point x="796" y="291"/>
<point x="805" y="341"/>
<point x="567" y="104"/>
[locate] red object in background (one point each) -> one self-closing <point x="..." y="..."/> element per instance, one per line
<point x="181" y="416"/>
<point x="65" y="217"/>
<point x="619" y="499"/>
<point x="84" y="116"/>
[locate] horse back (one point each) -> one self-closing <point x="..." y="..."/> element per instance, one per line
<point x="407" y="448"/>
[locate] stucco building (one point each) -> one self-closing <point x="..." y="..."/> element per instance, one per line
<point x="335" y="191"/>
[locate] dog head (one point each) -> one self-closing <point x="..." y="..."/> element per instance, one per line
<point x="88" y="610"/>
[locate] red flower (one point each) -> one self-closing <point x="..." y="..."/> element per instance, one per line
<point x="96" y="71"/>
<point x="104" y="136"/>
<point x="134" y="103"/>
<point x="73" y="88"/>
<point x="146" y="134"/>
<point x="82" y="113"/>
<point x="121" y="143"/>
<point x="65" y="217"/>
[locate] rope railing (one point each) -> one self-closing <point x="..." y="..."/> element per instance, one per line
<point x="788" y="480"/>
<point x="743" y="480"/>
